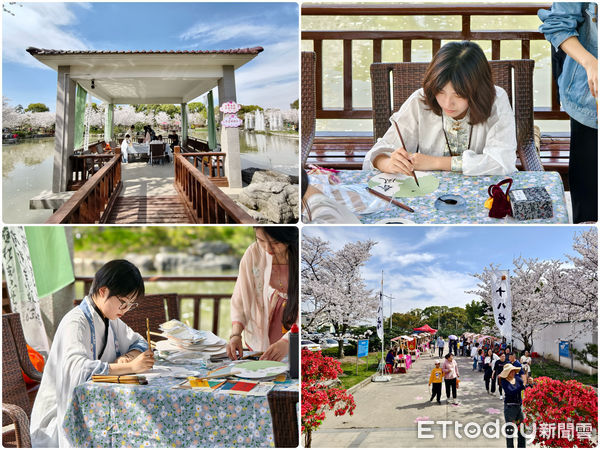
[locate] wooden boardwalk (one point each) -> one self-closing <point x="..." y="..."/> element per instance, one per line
<point x="141" y="209"/>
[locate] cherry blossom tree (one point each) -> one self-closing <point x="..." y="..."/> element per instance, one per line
<point x="574" y="286"/>
<point x="126" y="115"/>
<point x="10" y="117"/>
<point x="529" y="288"/>
<point x="333" y="289"/>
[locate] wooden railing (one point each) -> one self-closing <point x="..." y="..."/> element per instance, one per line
<point x="197" y="300"/>
<point x="83" y="168"/>
<point x="92" y="202"/>
<point x="217" y="300"/>
<point x="211" y="164"/>
<point x="465" y="11"/>
<point x="193" y="144"/>
<point x="204" y="200"/>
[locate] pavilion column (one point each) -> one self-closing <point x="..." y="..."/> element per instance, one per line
<point x="184" y="124"/>
<point x="230" y="137"/>
<point x="64" y="135"/>
<point x="109" y="123"/>
<point x="211" y="125"/>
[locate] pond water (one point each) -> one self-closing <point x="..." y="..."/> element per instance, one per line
<point x="27" y="169"/>
<point x="266" y="151"/>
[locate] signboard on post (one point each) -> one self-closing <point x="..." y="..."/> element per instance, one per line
<point x="563" y="349"/>
<point x="363" y="348"/>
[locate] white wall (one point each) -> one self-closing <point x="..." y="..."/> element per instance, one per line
<point x="545" y="341"/>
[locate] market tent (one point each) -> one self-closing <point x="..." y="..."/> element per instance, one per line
<point x="425" y="328"/>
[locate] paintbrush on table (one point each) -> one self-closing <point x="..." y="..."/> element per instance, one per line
<point x="404" y="145"/>
<point x="391" y="200"/>
<point x="119" y="379"/>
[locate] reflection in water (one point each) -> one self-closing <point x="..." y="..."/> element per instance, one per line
<point x="265" y="151"/>
<point x="26" y="171"/>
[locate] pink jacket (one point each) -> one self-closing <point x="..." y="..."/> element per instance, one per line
<point x="450" y="369"/>
<point x="251" y="296"/>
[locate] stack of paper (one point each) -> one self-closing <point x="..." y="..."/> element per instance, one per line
<point x="185" y="344"/>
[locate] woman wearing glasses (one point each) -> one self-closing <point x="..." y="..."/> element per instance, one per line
<point x="90" y="340"/>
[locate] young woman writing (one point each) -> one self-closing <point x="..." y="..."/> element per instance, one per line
<point x="458" y="121"/>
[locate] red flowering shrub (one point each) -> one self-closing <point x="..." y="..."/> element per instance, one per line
<point x="316" y="396"/>
<point x="565" y="412"/>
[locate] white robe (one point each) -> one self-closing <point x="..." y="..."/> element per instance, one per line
<point x="493" y="143"/>
<point x="72" y="361"/>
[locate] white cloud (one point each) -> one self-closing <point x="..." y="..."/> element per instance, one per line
<point x="437" y="234"/>
<point x="271" y="79"/>
<point x="43" y="25"/>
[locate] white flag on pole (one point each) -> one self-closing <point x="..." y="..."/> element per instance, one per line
<point x="502" y="303"/>
<point x="380" y="318"/>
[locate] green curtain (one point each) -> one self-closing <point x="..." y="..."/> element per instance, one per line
<point x="50" y="258"/>
<point x="80" y="98"/>
<point x="210" y="117"/>
<point x="108" y="122"/>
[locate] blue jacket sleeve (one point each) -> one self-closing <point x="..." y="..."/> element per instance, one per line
<point x="561" y="21"/>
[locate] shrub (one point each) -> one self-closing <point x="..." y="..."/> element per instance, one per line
<point x="565" y="406"/>
<point x="316" y="396"/>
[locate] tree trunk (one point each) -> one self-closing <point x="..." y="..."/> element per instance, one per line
<point x="307" y="439"/>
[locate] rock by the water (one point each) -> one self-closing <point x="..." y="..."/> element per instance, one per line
<point x="216" y="247"/>
<point x="255" y="175"/>
<point x="277" y="201"/>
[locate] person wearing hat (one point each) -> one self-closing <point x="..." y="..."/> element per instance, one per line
<point x="513" y="384"/>
<point x="435" y="379"/>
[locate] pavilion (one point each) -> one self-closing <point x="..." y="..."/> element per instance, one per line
<point x="141" y="77"/>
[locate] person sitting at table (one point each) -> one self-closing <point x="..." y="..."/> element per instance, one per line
<point x="90" y="340"/>
<point x="147" y="134"/>
<point x="264" y="304"/>
<point x="318" y="208"/>
<point x="457" y="121"/>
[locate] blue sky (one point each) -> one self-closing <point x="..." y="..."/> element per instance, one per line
<point x="270" y="80"/>
<point x="426" y="266"/>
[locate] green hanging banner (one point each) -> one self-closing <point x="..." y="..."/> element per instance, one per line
<point x="210" y="118"/>
<point x="80" y="99"/>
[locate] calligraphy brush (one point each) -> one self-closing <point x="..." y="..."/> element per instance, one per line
<point x="404" y="145"/>
<point x="119" y="379"/>
<point x="148" y="333"/>
<point x="391" y="199"/>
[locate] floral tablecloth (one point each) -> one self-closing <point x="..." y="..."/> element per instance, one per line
<point x="156" y="415"/>
<point x="472" y="188"/>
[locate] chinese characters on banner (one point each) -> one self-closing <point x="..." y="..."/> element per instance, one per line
<point x="502" y="303"/>
<point x="380" y="318"/>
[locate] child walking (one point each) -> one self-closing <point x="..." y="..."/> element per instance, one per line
<point x="457" y="121"/>
<point x="90" y="340"/>
<point x="435" y="380"/>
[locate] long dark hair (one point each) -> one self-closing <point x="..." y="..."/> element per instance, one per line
<point x="465" y="66"/>
<point x="289" y="237"/>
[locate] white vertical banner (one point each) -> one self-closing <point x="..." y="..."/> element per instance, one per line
<point x="502" y="303"/>
<point x="380" y="318"/>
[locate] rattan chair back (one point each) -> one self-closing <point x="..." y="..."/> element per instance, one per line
<point x="393" y="83"/>
<point x="308" y="103"/>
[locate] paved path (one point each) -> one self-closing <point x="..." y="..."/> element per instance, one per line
<point x="386" y="413"/>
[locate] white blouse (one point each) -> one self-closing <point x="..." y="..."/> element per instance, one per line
<point x="493" y="142"/>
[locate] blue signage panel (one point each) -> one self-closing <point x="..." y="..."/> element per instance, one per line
<point x="363" y="347"/>
<point x="563" y="349"/>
